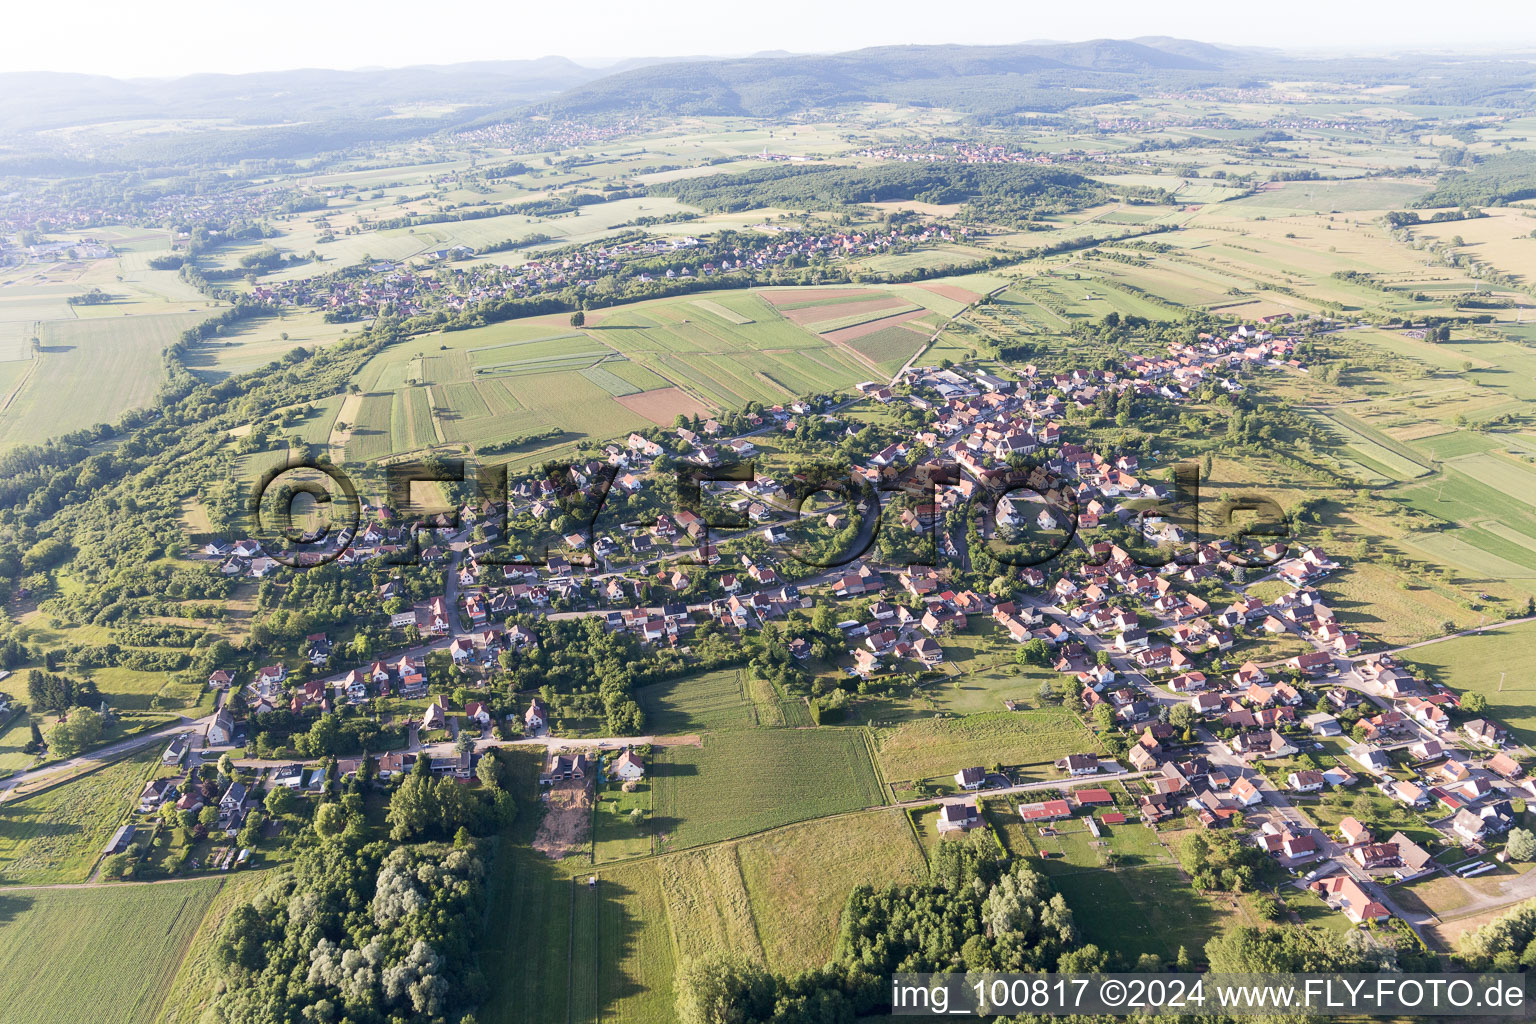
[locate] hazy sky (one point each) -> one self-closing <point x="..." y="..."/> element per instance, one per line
<point x="174" y="37"/>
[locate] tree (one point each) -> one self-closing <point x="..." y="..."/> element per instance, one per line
<point x="1522" y="844"/>
<point x="579" y="318"/>
<point x="280" y="802"/>
<point x="1046" y="694"/>
<point x="79" y="731"/>
<point x="1474" y="702"/>
<point x="250" y="835"/>
<point x="226" y="765"/>
<point x="488" y="770"/>
<point x="330" y="820"/>
<point x="209" y="817"/>
<point x="56" y="693"/>
<point x="1181" y="716"/>
<point x="722" y="987"/>
<point x="1034" y="652"/>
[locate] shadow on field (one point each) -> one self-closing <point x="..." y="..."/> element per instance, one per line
<point x="12" y="906"/>
<point x="670" y="769"/>
<point x="555" y="946"/>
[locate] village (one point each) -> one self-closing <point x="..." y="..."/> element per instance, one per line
<point x="1144" y="653"/>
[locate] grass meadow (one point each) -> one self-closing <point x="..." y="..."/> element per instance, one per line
<point x="935" y="747"/>
<point x="191" y="989"/>
<point x="1479" y="662"/>
<point x="57" y="834"/>
<point x="558" y="950"/>
<point x="758" y="780"/>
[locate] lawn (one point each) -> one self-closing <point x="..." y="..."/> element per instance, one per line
<point x="106" y="954"/>
<point x="756" y="780"/>
<point x="942" y="746"/>
<point x="614" y="835"/>
<point x="56" y="835"/>
<point x="16" y="734"/>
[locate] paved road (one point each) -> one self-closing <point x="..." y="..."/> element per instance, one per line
<point x="101" y="755"/>
<point x="1023" y="787"/>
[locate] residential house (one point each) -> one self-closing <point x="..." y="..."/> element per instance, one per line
<point x="1376" y="856"/>
<point x="970" y="778"/>
<point x="1345" y="894"/>
<point x="1246" y="793"/>
<point x="1413" y="859"/>
<point x="565" y="768"/>
<point x="959" y="817"/>
<point x="1045" y="810"/>
<point x="1308" y="781"/>
<point x="1079" y="764"/>
<point x="1353" y="833"/>
<point x="628" y="767"/>
<point x="1485" y="733"/>
<point x="1504" y="766"/>
<point x="536" y="718"/>
<point x="222" y="729"/>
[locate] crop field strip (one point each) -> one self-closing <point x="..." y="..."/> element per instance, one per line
<point x="96" y="954"/>
<point x="728" y="315"/>
<point x="854" y="320"/>
<point x="609" y="382"/>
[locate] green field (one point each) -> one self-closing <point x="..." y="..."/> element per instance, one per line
<point x="105" y="367"/>
<point x="722" y="350"/>
<point x="57" y="835"/>
<point x="711" y="700"/>
<point x="105" y="954"/>
<point x="888" y="348"/>
<point x="798" y="878"/>
<point x="194" y="985"/>
<point x="931" y="748"/>
<point x="1480" y="662"/>
<point x="560" y="951"/>
<point x="756" y="780"/>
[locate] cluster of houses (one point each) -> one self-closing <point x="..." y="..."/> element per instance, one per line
<point x="898" y="632"/>
<point x="562" y="766"/>
<point x="426" y="284"/>
<point x="1095" y="803"/>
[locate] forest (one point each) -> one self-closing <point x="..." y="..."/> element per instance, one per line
<point x="1008" y="191"/>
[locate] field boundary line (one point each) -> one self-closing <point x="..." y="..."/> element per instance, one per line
<point x="32" y="362"/>
<point x="570" y="953"/>
<point x="880" y="779"/>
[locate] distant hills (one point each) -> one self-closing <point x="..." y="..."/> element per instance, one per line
<point x="33" y="101"/>
<point x="287" y="114"/>
<point x="975" y="78"/>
